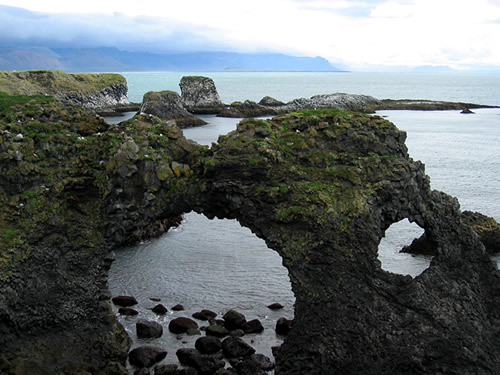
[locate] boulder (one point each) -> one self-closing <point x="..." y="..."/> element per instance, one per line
<point x="204" y="315"/>
<point x="178" y="307"/>
<point x="216" y="330"/>
<point x="148" y="329"/>
<point x="208" y="345"/>
<point x="204" y="364"/>
<point x="167" y="105"/>
<point x="262" y="361"/>
<point x="181" y="325"/>
<point x="160" y="309"/>
<point x="233" y="347"/>
<point x="271" y="102"/>
<point x="233" y="320"/>
<point x="252" y="326"/>
<point x="124" y="301"/>
<point x="127" y="311"/>
<point x="199" y="95"/>
<point x="283" y="326"/>
<point x="275" y="306"/>
<point x="146" y="356"/>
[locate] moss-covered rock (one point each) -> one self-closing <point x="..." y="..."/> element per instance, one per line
<point x="320" y="186"/>
<point x="96" y="91"/>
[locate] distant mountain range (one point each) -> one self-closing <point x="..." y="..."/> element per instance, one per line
<point x="114" y="60"/>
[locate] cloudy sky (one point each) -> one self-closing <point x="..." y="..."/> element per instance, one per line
<point x="358" y="33"/>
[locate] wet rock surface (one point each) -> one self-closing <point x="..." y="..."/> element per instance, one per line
<point x="320" y="187"/>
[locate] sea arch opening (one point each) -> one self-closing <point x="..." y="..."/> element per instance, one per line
<point x="398" y="236"/>
<point x="213" y="264"/>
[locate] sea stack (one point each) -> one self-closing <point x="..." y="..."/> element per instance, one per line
<point x="199" y="95"/>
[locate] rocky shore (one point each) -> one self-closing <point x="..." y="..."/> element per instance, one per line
<point x="199" y="96"/>
<point x="319" y="186"/>
<point x="206" y="342"/>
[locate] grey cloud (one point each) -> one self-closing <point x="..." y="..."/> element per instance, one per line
<point x="22" y="27"/>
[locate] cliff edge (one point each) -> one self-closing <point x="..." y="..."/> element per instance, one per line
<point x="95" y="91"/>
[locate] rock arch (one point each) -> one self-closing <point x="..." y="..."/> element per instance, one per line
<point x="320" y="187"/>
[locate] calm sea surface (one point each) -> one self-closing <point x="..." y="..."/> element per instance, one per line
<point x="218" y="265"/>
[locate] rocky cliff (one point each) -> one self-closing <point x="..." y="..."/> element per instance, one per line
<point x="320" y="187"/>
<point x="95" y="91"/>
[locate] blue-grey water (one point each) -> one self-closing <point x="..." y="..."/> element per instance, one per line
<point x="218" y="265"/>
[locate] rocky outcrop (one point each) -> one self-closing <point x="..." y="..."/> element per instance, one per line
<point x="167" y="105"/>
<point x="487" y="228"/>
<point x="94" y="91"/>
<point x="199" y="95"/>
<point x="269" y="106"/>
<point x="321" y="187"/>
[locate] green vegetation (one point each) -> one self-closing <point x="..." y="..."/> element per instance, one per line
<point x="51" y="82"/>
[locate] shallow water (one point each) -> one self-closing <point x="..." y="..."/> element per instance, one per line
<point x="204" y="264"/>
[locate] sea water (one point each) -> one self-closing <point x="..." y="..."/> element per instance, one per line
<point x="218" y="265"/>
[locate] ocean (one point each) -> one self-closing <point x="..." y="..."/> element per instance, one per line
<point x="218" y="265"/>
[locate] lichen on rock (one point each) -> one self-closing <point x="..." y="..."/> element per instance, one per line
<point x="319" y="186"/>
<point x="199" y="95"/>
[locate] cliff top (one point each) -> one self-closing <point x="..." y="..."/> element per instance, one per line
<point x="51" y="82"/>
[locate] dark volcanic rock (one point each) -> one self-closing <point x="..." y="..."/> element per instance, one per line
<point x="422" y="245"/>
<point x="204" y="315"/>
<point x="125" y="301"/>
<point x="159" y="309"/>
<point x="199" y="95"/>
<point x="234" y="347"/>
<point x="234" y="320"/>
<point x="217" y="331"/>
<point x="167" y="105"/>
<point x="275" y="306"/>
<point x="252" y="326"/>
<point x="249" y="367"/>
<point x="148" y="329"/>
<point x="208" y="345"/>
<point x="263" y="362"/>
<point x="204" y="364"/>
<point x="320" y="187"/>
<point x="127" y="311"/>
<point x="487" y="228"/>
<point x="181" y="325"/>
<point x="283" y="326"/>
<point x="178" y="307"/>
<point x="146" y="356"/>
